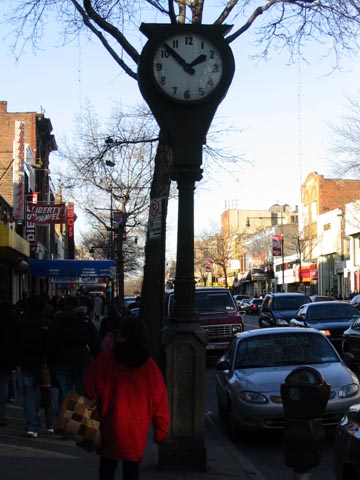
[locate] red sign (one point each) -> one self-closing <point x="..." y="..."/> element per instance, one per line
<point x="44" y="213"/>
<point x="70" y="230"/>
<point x="276" y="241"/>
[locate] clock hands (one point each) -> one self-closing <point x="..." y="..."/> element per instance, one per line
<point x="200" y="59"/>
<point x="188" y="67"/>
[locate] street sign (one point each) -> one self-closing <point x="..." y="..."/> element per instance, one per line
<point x="155" y="218"/>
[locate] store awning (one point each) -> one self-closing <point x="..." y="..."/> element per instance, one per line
<point x="72" y="268"/>
<point x="12" y="245"/>
<point x="246" y="277"/>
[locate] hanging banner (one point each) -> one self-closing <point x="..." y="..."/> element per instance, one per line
<point x="30" y="230"/>
<point x="18" y="171"/>
<point x="70" y="230"/>
<point x="45" y="214"/>
<point x="276" y="242"/>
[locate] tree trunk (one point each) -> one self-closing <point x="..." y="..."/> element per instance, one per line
<point x="153" y="288"/>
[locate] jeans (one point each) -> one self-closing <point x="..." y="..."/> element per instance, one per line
<point x="4" y="390"/>
<point x="69" y="378"/>
<point x="33" y="397"/>
<point x="107" y="469"/>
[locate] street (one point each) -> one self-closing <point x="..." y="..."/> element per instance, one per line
<point x="265" y="451"/>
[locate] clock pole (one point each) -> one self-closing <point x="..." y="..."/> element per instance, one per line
<point x="185" y="122"/>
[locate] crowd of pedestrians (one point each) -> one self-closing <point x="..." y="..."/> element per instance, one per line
<point x="93" y="348"/>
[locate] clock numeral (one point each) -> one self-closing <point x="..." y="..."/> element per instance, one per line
<point x="210" y="82"/>
<point x="174" y="90"/>
<point x="187" y="94"/>
<point x="175" y="43"/>
<point x="163" y="80"/>
<point x="158" y="67"/>
<point x="201" y="92"/>
<point x="215" y="68"/>
<point x="212" y="54"/>
<point x="202" y="45"/>
<point x="164" y="53"/>
<point x="189" y="41"/>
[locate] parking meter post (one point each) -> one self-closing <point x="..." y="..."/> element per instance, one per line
<point x="304" y="395"/>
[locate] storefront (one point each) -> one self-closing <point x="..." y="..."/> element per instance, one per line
<point x="14" y="256"/>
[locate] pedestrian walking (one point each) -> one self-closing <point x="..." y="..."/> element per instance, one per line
<point x="7" y="352"/>
<point x="32" y="350"/>
<point x="109" y="325"/>
<point x="131" y="394"/>
<point x="98" y="306"/>
<point x="73" y="343"/>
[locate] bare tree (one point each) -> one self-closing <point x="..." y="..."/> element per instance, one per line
<point x="345" y="141"/>
<point x="216" y="249"/>
<point x="115" y="23"/>
<point x="109" y="173"/>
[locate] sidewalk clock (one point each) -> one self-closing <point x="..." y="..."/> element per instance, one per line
<point x="184" y="73"/>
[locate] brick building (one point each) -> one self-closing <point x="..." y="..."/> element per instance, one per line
<point x="26" y="141"/>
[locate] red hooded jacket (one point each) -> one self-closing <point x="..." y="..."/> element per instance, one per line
<point x="129" y="400"/>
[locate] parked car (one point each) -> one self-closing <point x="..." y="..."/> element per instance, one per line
<point x="218" y="312"/>
<point x="347" y="445"/>
<point x="278" y="309"/>
<point x="244" y="303"/>
<point x="351" y="340"/>
<point x="322" y="298"/>
<point x="256" y="363"/>
<point x="355" y="301"/>
<point x="331" y="318"/>
<point x="253" y="308"/>
<point x="239" y="297"/>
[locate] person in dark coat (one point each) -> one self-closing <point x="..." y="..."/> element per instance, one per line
<point x="32" y="349"/>
<point x="131" y="394"/>
<point x="73" y="343"/>
<point x="7" y="351"/>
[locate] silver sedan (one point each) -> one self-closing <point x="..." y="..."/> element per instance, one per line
<point x="256" y="363"/>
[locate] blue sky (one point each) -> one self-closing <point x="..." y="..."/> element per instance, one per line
<point x="263" y="104"/>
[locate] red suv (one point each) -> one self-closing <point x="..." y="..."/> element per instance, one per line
<point x="219" y="315"/>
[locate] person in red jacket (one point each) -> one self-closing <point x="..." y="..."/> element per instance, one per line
<point x="131" y="394"/>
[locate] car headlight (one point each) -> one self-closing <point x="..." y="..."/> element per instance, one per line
<point x="282" y="321"/>
<point x="253" y="397"/>
<point x="236" y="329"/>
<point x="348" y="391"/>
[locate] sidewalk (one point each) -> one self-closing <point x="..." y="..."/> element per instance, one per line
<point x="49" y="457"/>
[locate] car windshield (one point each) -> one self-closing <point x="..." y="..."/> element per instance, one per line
<point x="284" y="349"/>
<point x="208" y="302"/>
<point x="289" y="303"/>
<point x="327" y="312"/>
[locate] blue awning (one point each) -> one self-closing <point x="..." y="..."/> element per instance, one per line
<point x="72" y="268"/>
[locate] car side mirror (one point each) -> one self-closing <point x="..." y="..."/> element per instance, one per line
<point x="223" y="364"/>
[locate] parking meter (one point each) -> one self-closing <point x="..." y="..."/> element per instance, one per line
<point x="304" y="394"/>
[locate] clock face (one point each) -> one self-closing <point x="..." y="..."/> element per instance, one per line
<point x="187" y="67"/>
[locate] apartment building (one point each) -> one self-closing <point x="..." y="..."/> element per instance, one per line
<point x="26" y="142"/>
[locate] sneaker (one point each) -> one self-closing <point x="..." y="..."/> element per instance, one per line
<point x="51" y="431"/>
<point x="31" y="434"/>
